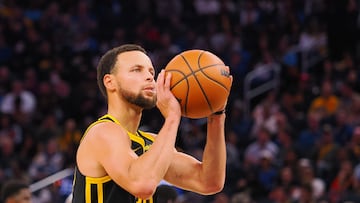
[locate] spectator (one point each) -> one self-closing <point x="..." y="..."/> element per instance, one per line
<point x="285" y="143"/>
<point x="307" y="177"/>
<point x="232" y="161"/>
<point x="343" y="181"/>
<point x="313" y="37"/>
<point x="47" y="161"/>
<point x="306" y="195"/>
<point x="166" y="194"/>
<point x="325" y="152"/>
<point x="354" y="145"/>
<point x="47" y="129"/>
<point x="342" y="129"/>
<point x="288" y="182"/>
<point x="10" y="128"/>
<point x="290" y="159"/>
<point x="262" y="142"/>
<point x="289" y="108"/>
<point x="349" y="97"/>
<point x="309" y="136"/>
<point x="264" y="114"/>
<point x="221" y="198"/>
<point x="207" y="7"/>
<point x="267" y="172"/>
<point x="240" y="124"/>
<point x="326" y="103"/>
<point x="355" y="192"/>
<point x="31" y="80"/>
<point x="16" y="191"/>
<point x="47" y="99"/>
<point x="5" y="81"/>
<point x="278" y="195"/>
<point x="193" y="136"/>
<point x="69" y="140"/>
<point x="19" y="101"/>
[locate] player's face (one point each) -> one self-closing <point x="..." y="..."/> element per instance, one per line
<point x="136" y="81"/>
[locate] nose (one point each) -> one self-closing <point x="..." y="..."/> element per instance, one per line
<point x="149" y="76"/>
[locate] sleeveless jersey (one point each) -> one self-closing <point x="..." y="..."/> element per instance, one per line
<point x="104" y="189"/>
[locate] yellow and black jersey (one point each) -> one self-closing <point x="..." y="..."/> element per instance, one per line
<point x="104" y="189"/>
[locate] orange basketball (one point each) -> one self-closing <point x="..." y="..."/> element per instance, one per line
<point x="200" y="81"/>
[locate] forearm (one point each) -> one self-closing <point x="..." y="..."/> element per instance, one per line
<point x="214" y="157"/>
<point x="155" y="162"/>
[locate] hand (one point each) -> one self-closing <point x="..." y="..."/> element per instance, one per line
<point x="166" y="101"/>
<point x="225" y="103"/>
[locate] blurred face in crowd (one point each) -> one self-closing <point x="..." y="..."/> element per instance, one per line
<point x="286" y="175"/>
<point x="17" y="87"/>
<point x="263" y="136"/>
<point x="357" y="130"/>
<point x="23" y="196"/>
<point x="326" y="89"/>
<point x="356" y="135"/>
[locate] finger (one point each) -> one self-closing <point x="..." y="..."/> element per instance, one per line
<point x="160" y="75"/>
<point x="160" y="79"/>
<point x="167" y="80"/>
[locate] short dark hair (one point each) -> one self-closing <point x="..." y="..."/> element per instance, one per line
<point x="165" y="193"/>
<point x="12" y="188"/>
<point x="108" y="60"/>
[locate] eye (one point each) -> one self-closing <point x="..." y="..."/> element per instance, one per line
<point x="136" y="69"/>
<point x="152" y="72"/>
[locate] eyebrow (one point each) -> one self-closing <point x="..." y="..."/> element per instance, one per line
<point x="141" y="66"/>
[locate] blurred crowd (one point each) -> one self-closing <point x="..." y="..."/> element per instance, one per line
<point x="300" y="143"/>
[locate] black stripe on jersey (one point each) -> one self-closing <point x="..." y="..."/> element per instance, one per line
<point x="137" y="148"/>
<point x="94" y="192"/>
<point x="147" y="140"/>
<point x="107" y="118"/>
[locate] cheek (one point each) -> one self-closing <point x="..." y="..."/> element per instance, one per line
<point x="127" y="81"/>
<point x="128" y="86"/>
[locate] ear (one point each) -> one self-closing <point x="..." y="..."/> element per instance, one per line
<point x="109" y="82"/>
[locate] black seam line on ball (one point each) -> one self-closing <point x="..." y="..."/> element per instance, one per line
<point x="202" y="70"/>
<point x="193" y="74"/>
<point x="210" y="78"/>
<point x="202" y="89"/>
<point x="187" y="87"/>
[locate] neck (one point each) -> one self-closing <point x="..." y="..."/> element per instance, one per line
<point x="128" y="116"/>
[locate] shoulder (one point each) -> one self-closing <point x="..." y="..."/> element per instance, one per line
<point x="100" y="141"/>
<point x="102" y="137"/>
<point x="103" y="131"/>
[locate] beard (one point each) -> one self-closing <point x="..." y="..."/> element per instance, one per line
<point x="138" y="99"/>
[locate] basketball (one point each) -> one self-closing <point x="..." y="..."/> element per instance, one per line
<point x="200" y="81"/>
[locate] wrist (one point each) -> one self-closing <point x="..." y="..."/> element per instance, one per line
<point x="221" y="112"/>
<point x="173" y="118"/>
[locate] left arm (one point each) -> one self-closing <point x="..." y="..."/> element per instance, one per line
<point x="208" y="176"/>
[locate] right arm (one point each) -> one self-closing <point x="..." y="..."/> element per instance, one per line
<point x="139" y="175"/>
<point x="110" y="146"/>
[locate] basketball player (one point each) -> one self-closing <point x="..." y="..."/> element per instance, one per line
<point x="116" y="162"/>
